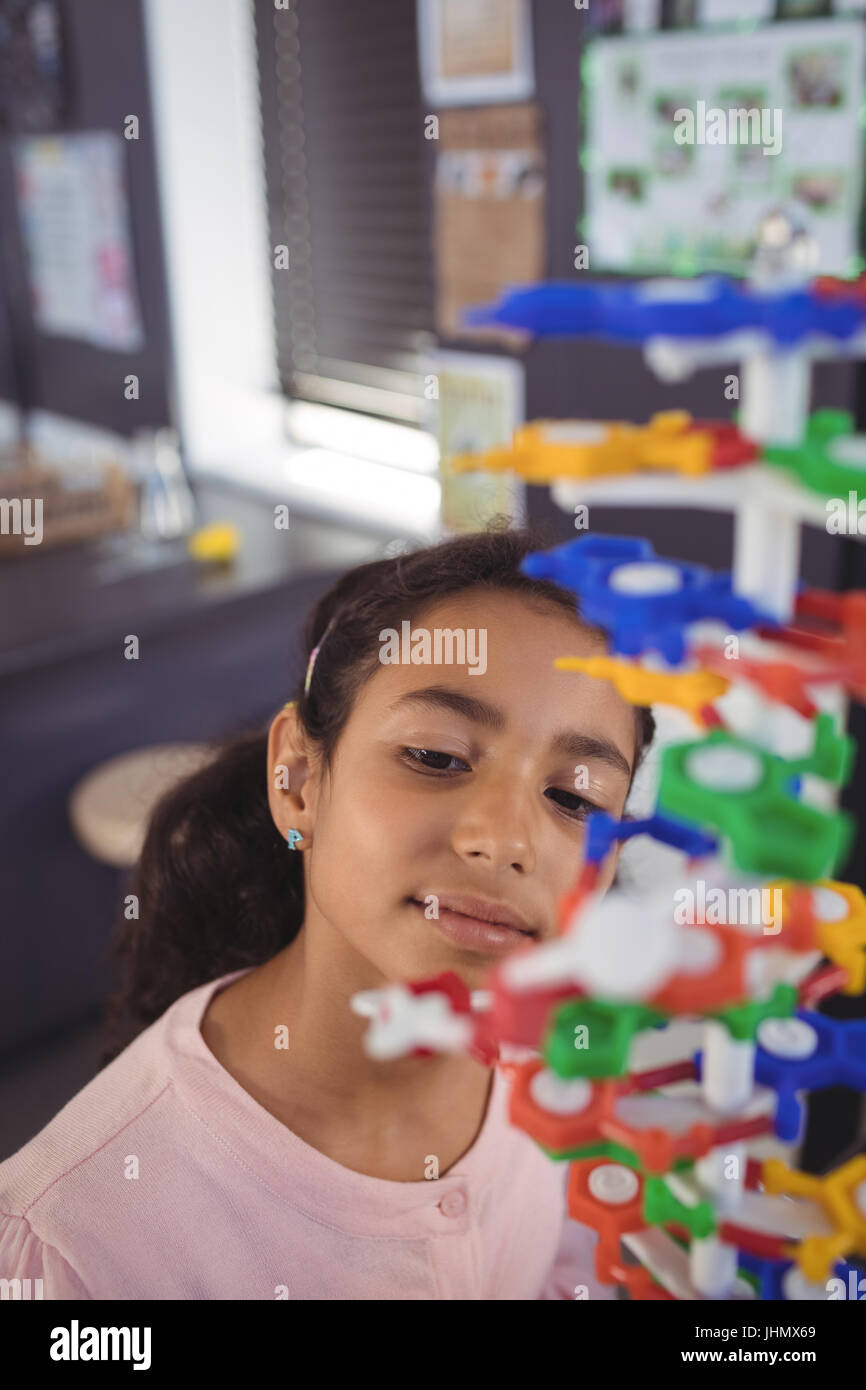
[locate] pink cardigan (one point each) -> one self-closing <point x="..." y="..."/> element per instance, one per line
<point x="230" y="1204"/>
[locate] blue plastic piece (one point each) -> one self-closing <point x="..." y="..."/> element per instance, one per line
<point x="603" y="830"/>
<point x="706" y="307"/>
<point x="838" y="1060"/>
<point x="638" y="622"/>
<point x="771" y="1276"/>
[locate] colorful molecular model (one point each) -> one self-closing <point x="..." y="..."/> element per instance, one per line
<point x="660" y="1157"/>
<point x="663" y="1046"/>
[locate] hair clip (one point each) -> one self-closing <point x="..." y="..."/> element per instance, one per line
<point x="313" y="654"/>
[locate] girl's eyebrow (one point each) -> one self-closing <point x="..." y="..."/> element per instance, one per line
<point x="572" y="744"/>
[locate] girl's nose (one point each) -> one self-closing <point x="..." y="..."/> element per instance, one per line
<point x="494" y="825"/>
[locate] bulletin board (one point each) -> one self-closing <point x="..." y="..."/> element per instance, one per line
<point x="653" y="204"/>
<point x="489" y="203"/>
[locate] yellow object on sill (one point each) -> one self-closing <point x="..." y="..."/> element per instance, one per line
<point x="217" y="543"/>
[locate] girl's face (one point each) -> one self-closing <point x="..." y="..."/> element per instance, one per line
<point x="453" y="793"/>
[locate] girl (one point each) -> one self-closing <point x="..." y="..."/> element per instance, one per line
<point x="243" y="1146"/>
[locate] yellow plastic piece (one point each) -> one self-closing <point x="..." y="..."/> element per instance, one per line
<point x="688" y="690"/>
<point x="217" y="542"/>
<point x="843" y="942"/>
<point x="547" y="450"/>
<point x="841" y="1196"/>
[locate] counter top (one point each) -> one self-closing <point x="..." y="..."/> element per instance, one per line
<point x="57" y="603"/>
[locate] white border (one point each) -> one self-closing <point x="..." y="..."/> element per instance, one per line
<point x="516" y="85"/>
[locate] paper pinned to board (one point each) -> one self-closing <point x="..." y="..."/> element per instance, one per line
<point x="75" y="224"/>
<point x="489" y="211"/>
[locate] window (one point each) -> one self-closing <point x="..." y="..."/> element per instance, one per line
<point x="346" y="192"/>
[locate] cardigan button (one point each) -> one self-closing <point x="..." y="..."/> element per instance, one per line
<point x="453" y="1204"/>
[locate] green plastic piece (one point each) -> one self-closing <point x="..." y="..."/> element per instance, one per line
<point x="769" y="830"/>
<point x="661" y="1206"/>
<point x="813" y="460"/>
<point x="609" y="1028"/>
<point x="617" y="1153"/>
<point x="602" y="1148"/>
<point x="742" y="1020"/>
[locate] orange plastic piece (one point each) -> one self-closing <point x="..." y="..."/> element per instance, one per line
<point x="547" y="450"/>
<point x="844" y="941"/>
<point x="728" y="981"/>
<point x="598" y="1122"/>
<point x="841" y="1196"/>
<point x="834" y="627"/>
<point x="612" y="1221"/>
<point x="689" y="690"/>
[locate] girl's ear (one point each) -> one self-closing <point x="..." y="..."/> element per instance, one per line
<point x="288" y="778"/>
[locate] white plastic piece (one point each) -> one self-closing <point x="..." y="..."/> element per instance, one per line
<point x="789" y="1038"/>
<point x="774" y="397"/>
<point x="830" y="906"/>
<point x="722" y="1175"/>
<point x="669" y="1264"/>
<point x="575" y="432"/>
<point x="713" y="1266"/>
<point x="678" y="1108"/>
<point x="649" y="577"/>
<point x="405" y="1021"/>
<point x="790" y="1218"/>
<point x="725" y="769"/>
<point x="699" y="952"/>
<point x="849" y="450"/>
<point x="559" y="1096"/>
<point x="727" y="1069"/>
<point x="665" y="290"/>
<point x="619" y="948"/>
<point x="766" y="555"/>
<point x="613" y="1184"/>
<point x="798" y="1289"/>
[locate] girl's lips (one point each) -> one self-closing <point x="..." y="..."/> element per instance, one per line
<point x="473" y="934"/>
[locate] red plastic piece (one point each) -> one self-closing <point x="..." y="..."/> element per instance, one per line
<point x="730" y="447"/>
<point x="831" y="287"/>
<point x="834" y="627"/>
<point x="820" y="984"/>
<point x="598" y="1122"/>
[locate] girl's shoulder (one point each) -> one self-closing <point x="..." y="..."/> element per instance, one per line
<point x="77" y="1180"/>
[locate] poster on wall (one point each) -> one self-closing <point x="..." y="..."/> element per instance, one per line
<point x="691" y="138"/>
<point x="475" y="51"/>
<point x="74" y="220"/>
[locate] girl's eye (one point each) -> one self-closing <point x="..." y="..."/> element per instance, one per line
<point x="433" y="761"/>
<point x="576" y="806"/>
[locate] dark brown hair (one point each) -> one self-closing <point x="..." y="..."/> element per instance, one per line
<point x="217" y="889"/>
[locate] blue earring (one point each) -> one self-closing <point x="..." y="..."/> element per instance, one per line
<point x="294" y="839"/>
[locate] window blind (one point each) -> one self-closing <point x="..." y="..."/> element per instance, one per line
<point x="342" y="127"/>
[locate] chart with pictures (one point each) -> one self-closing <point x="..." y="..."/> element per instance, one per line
<point x="663" y="194"/>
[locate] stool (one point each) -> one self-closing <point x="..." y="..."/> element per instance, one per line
<point x="110" y="807"/>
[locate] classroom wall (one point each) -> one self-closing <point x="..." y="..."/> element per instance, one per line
<point x="108" y="80"/>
